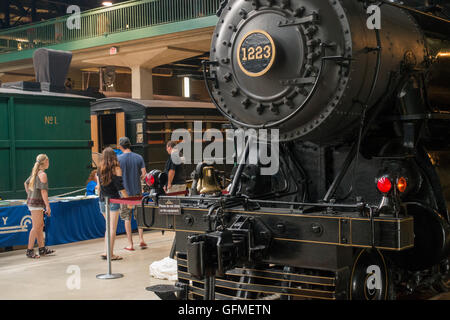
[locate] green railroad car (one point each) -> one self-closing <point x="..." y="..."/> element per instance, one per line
<point x="34" y="122"/>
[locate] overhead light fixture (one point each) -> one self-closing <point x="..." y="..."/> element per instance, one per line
<point x="186" y="88"/>
<point x="107" y="3"/>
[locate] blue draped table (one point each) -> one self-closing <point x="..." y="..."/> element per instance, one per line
<point x="70" y="221"/>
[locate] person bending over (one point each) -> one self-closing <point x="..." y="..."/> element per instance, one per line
<point x="176" y="177"/>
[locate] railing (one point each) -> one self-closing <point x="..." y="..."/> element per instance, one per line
<point x="126" y="16"/>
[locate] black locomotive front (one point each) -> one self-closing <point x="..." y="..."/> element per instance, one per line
<point x="359" y="206"/>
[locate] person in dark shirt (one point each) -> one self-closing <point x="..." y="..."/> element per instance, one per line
<point x="176" y="177"/>
<point x="111" y="185"/>
<point x="133" y="169"/>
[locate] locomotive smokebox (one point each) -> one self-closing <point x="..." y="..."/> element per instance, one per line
<point x="308" y="68"/>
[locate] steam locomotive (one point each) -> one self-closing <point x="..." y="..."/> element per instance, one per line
<point x="359" y="92"/>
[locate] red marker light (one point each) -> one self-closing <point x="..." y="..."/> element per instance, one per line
<point x="384" y="184"/>
<point x="150" y="180"/>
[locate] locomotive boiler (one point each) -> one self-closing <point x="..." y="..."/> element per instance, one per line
<point x="359" y="92"/>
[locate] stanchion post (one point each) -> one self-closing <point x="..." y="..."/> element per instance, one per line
<point x="173" y="249"/>
<point x="108" y="275"/>
<point x="210" y="287"/>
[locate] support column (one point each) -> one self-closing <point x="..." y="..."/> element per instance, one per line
<point x="141" y="83"/>
<point x="5" y="9"/>
<point x="33" y="11"/>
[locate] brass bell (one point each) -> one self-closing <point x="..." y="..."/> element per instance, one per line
<point x="208" y="183"/>
<point x="199" y="185"/>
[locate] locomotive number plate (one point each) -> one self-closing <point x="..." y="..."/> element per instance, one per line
<point x="256" y="53"/>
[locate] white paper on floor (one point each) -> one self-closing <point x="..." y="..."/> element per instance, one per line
<point x="164" y="269"/>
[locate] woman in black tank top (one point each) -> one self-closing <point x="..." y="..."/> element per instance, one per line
<point x="109" y="178"/>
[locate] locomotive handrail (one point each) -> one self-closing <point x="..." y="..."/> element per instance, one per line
<point x="359" y="206"/>
<point x="311" y="93"/>
<point x="240" y="168"/>
<point x="366" y="107"/>
<point x="361" y="133"/>
<point x="222" y="5"/>
<point x="349" y="159"/>
<point x="145" y="200"/>
<point x="224" y="199"/>
<point x="401" y="6"/>
<point x="372" y="226"/>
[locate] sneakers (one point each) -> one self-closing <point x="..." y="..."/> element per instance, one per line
<point x="30" y="254"/>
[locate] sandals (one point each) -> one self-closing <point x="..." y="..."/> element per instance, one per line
<point x="30" y="254"/>
<point x="114" y="257"/>
<point x="44" y="251"/>
<point x="143" y="245"/>
<point x="129" y="249"/>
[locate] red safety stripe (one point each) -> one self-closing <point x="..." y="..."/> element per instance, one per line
<point x="132" y="201"/>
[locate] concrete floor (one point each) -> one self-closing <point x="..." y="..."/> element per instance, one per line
<point x="54" y="277"/>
